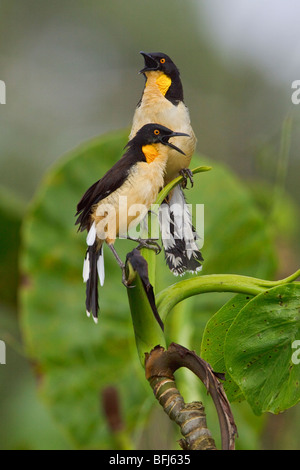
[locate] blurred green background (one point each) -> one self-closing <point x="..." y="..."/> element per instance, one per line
<point x="70" y="70"/>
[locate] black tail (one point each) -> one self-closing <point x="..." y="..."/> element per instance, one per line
<point x="90" y="267"/>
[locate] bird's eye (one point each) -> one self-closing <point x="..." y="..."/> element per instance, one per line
<point x="162" y="61"/>
<point x="156" y="132"/>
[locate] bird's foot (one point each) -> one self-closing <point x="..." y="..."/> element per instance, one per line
<point x="149" y="243"/>
<point x="187" y="174"/>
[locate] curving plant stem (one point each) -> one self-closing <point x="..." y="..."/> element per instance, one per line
<point x="172" y="295"/>
<point x="190" y="417"/>
<point x="160" y="367"/>
<point x="165" y="191"/>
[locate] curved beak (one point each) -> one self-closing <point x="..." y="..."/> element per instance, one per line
<point x="165" y="140"/>
<point x="150" y="63"/>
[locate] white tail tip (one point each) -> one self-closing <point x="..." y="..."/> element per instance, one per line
<point x="91" y="236"/>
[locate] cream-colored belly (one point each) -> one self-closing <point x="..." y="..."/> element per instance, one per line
<point x="127" y="206"/>
<point x="157" y="109"/>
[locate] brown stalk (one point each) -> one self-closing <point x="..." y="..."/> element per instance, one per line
<point x="160" y="366"/>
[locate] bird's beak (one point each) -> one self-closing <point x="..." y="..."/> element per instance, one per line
<point x="174" y="134"/>
<point x="150" y="63"/>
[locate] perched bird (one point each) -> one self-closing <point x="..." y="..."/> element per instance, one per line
<point x="162" y="101"/>
<point x="121" y="199"/>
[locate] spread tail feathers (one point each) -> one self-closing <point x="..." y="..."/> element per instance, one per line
<point x="179" y="236"/>
<point x="93" y="267"/>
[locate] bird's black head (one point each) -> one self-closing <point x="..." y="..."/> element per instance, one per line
<point x="159" y="61"/>
<point x="157" y="134"/>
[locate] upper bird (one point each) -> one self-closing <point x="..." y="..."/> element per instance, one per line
<point x="121" y="199"/>
<point x="163" y="102"/>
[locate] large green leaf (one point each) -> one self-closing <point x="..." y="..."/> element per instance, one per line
<point x="76" y="359"/>
<point x="212" y="347"/>
<point x="237" y="238"/>
<point x="259" y="349"/>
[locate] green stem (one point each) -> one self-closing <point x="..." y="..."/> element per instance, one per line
<point x="152" y="231"/>
<point x="235" y="283"/>
<point x="148" y="333"/>
<point x="165" y="191"/>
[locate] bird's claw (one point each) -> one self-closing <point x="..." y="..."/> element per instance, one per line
<point x="147" y="243"/>
<point x="150" y="245"/>
<point x="187" y="174"/>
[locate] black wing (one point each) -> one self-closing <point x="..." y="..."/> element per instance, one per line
<point x="110" y="182"/>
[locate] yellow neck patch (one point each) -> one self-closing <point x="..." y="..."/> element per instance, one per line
<point x="159" y="79"/>
<point x="163" y="82"/>
<point x="150" y="152"/>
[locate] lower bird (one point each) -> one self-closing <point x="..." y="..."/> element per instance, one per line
<point x="120" y="200"/>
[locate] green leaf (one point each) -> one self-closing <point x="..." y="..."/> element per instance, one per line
<point x="74" y="357"/>
<point x="237" y="239"/>
<point x="259" y="352"/>
<point x="213" y="340"/>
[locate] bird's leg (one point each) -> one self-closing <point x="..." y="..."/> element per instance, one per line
<point x="121" y="264"/>
<point x="146" y="243"/>
<point x="186" y="173"/>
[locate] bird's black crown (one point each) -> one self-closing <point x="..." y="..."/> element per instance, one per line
<point x="155" y="134"/>
<point x="159" y="61"/>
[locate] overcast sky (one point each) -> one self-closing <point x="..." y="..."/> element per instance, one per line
<point x="266" y="31"/>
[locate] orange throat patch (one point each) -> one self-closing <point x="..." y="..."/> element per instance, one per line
<point x="150" y="152"/>
<point x="159" y="80"/>
<point x="163" y="82"/>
